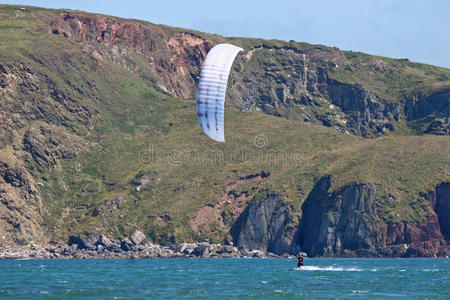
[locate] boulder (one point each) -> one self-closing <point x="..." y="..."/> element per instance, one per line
<point x="257" y="253"/>
<point x="137" y="237"/>
<point x="201" y="250"/>
<point x="87" y="242"/>
<point x="126" y="244"/>
<point x="104" y="241"/>
<point x="189" y="248"/>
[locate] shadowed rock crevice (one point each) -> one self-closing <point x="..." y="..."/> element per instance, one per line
<point x="442" y="208"/>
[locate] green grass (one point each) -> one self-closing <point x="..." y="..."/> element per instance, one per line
<point x="401" y="77"/>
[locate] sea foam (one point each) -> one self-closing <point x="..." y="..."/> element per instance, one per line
<point x="315" y="268"/>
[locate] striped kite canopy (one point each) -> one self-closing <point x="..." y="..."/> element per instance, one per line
<point x="212" y="89"/>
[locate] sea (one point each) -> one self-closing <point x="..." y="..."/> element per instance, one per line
<point x="226" y="278"/>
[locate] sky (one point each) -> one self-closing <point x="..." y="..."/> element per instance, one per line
<point x="415" y="29"/>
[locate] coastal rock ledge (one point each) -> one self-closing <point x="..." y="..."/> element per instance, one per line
<point x="100" y="246"/>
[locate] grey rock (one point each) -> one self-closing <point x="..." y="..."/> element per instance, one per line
<point x="104" y="241"/>
<point x="257" y="253"/>
<point x="126" y="244"/>
<point x="137" y="237"/>
<point x="338" y="224"/>
<point x="318" y="233"/>
<point x="188" y="248"/>
<point x="201" y="250"/>
<point x="262" y="226"/>
<point x="87" y="242"/>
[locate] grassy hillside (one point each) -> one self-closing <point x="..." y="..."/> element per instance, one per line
<point x="393" y="79"/>
<point x="103" y="148"/>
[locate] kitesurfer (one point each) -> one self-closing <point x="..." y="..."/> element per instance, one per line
<point x="299" y="261"/>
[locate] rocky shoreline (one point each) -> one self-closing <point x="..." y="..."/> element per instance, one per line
<point x="135" y="246"/>
<point x="94" y="246"/>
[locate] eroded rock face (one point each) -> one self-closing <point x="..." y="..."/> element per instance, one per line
<point x="347" y="222"/>
<point x="442" y="207"/>
<point x="366" y="113"/>
<point x="333" y="224"/>
<point x="423" y="239"/>
<point x="21" y="207"/>
<point x="344" y="223"/>
<point x="275" y="79"/>
<point x="285" y="78"/>
<point x="39" y="124"/>
<point x="262" y="226"/>
<point x="434" y="110"/>
<point x="230" y="206"/>
<point x="174" y="58"/>
<point x="280" y="79"/>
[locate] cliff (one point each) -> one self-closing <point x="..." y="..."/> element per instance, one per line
<point x="331" y="152"/>
<point x="316" y="83"/>
<point x="348" y="222"/>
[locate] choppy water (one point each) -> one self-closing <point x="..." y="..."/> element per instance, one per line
<point x="226" y="278"/>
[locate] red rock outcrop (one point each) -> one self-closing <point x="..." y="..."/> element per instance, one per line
<point x="174" y="58"/>
<point x="231" y="204"/>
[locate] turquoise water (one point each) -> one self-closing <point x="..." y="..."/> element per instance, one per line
<point x="226" y="278"/>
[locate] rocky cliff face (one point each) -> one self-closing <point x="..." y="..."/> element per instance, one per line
<point x="333" y="224"/>
<point x="279" y="80"/>
<point x="285" y="79"/>
<point x="366" y="113"/>
<point x="20" y="207"/>
<point x="432" y="113"/>
<point x="39" y="126"/>
<point x="347" y="222"/>
<point x="350" y="222"/>
<point x="440" y="201"/>
<point x="263" y="226"/>
<point x="172" y="58"/>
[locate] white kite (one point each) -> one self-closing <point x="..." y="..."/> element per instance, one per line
<point x="212" y="89"/>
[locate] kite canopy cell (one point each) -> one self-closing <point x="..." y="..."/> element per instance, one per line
<point x="212" y="89"/>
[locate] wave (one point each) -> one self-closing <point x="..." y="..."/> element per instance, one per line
<point x="315" y="268"/>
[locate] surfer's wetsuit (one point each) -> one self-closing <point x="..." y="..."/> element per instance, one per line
<point x="300" y="261"/>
